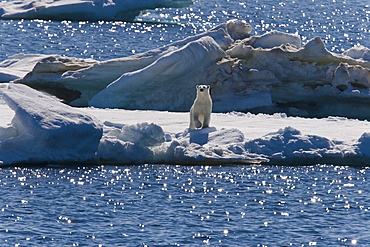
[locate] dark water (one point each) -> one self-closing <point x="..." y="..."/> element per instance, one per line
<point x="155" y="205"/>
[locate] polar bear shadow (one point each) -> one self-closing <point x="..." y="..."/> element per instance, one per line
<point x="200" y="136"/>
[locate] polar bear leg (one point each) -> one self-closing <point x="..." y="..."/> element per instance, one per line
<point x="195" y="121"/>
<point x="191" y="126"/>
<point x="207" y="120"/>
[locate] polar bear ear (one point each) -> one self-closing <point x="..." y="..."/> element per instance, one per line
<point x="208" y="86"/>
<point x="197" y="86"/>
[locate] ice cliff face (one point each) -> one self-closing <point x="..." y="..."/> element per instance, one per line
<point x="273" y="72"/>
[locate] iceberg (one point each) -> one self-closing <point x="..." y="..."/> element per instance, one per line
<point x="83" y="10"/>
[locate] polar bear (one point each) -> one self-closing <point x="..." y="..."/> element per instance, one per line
<point x="200" y="112"/>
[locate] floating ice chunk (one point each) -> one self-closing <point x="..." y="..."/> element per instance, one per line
<point x="78" y="10"/>
<point x="76" y="81"/>
<point x="311" y="80"/>
<point x="45" y="130"/>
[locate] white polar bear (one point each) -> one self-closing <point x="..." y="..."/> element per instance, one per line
<point x="200" y="112"/>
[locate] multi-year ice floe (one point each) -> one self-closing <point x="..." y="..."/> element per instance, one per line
<point x="77" y="10"/>
<point x="273" y="72"/>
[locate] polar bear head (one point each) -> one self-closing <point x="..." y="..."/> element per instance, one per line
<point x="203" y="88"/>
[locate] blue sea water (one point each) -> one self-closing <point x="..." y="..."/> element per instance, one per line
<point x="157" y="205"/>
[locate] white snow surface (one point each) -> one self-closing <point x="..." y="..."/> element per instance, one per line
<point x="38" y="129"/>
<point x="83" y="10"/>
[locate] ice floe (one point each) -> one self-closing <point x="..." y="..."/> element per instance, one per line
<point x="273" y="72"/>
<point x="45" y="131"/>
<point x="83" y="10"/>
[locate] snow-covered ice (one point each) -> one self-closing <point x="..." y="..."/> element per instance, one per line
<point x="141" y="89"/>
<point x="76" y="81"/>
<point x="83" y="10"/>
<point x="358" y="52"/>
<point x="37" y="129"/>
<point x="273" y="73"/>
<point x="44" y="129"/>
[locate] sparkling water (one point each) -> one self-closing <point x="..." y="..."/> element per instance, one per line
<point x="157" y="205"/>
